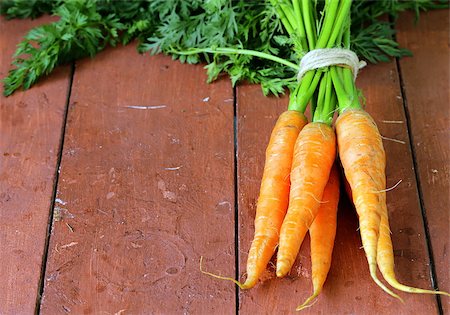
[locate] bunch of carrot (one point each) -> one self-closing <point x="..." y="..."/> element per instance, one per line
<point x="300" y="184"/>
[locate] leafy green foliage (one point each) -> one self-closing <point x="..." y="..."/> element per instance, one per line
<point x="85" y="27"/>
<point x="375" y="43"/>
<point x="23" y="9"/>
<point x="81" y="31"/>
<point x="372" y="34"/>
<point x="221" y="23"/>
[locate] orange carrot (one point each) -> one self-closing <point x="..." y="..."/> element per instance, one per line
<point x="274" y="193"/>
<point x="363" y="159"/>
<point x="314" y="154"/>
<point x="323" y="232"/>
<point x="273" y="197"/>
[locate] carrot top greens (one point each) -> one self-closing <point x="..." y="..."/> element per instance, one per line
<point x="86" y="27"/>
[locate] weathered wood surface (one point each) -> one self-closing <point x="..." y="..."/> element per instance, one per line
<point x="426" y="85"/>
<point x="146" y="188"/>
<point x="30" y="133"/>
<point x="349" y="288"/>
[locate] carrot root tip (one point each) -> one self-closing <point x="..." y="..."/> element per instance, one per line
<point x="401" y="287"/>
<point x="309" y="302"/>
<point x="373" y="274"/>
<point x="282" y="268"/>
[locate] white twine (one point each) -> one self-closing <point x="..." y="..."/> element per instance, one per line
<point x="325" y="57"/>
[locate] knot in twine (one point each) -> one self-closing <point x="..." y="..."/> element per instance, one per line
<point x="325" y="57"/>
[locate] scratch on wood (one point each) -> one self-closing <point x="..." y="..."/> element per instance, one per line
<point x="69" y="245"/>
<point x="393" y="140"/>
<point x="57" y="200"/>
<point x="146" y="107"/>
<point x="173" y="168"/>
<point x="70" y="227"/>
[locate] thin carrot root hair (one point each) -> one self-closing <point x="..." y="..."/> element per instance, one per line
<point x="309" y="301"/>
<point x="390" y="188"/>
<point x="315" y="198"/>
<point x="239" y="284"/>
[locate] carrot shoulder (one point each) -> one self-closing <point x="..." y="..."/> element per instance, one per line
<point x="322" y="233"/>
<point x="274" y="193"/>
<point x="314" y="154"/>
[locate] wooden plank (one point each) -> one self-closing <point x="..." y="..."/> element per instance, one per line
<point x="30" y="133"/>
<point x="349" y="288"/>
<point x="426" y="82"/>
<point x="146" y="188"/>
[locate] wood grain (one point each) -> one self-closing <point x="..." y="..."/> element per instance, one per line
<point x="426" y="82"/>
<point x="30" y="133"/>
<point x="349" y="288"/>
<point x="146" y="188"/>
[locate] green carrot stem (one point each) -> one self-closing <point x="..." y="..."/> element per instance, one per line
<point x="347" y="40"/>
<point x="338" y="41"/>
<point x="286" y="23"/>
<point x="232" y="51"/>
<point x="301" y="26"/>
<point x="346" y="37"/>
<point x="341" y="76"/>
<point x="333" y="101"/>
<point x="305" y="91"/>
<point x="340" y="19"/>
<point x="347" y="76"/>
<point x="331" y="8"/>
<point x="297" y="12"/>
<point x="313" y="18"/>
<point x="346" y="73"/>
<point x="325" y="112"/>
<point x="288" y="12"/>
<point x="293" y="104"/>
<point x="313" y="102"/>
<point x="342" y="96"/>
<point x="311" y="78"/>
<point x="344" y="99"/>
<point x="330" y="104"/>
<point x="317" y="114"/>
<point x="309" y="24"/>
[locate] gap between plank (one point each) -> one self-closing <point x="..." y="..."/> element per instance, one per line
<point x="55" y="188"/>
<point x="236" y="197"/>
<point x="434" y="281"/>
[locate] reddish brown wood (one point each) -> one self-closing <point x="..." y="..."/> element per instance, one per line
<point x="349" y="288"/>
<point x="426" y="83"/>
<point x="146" y="188"/>
<point x="30" y="133"/>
